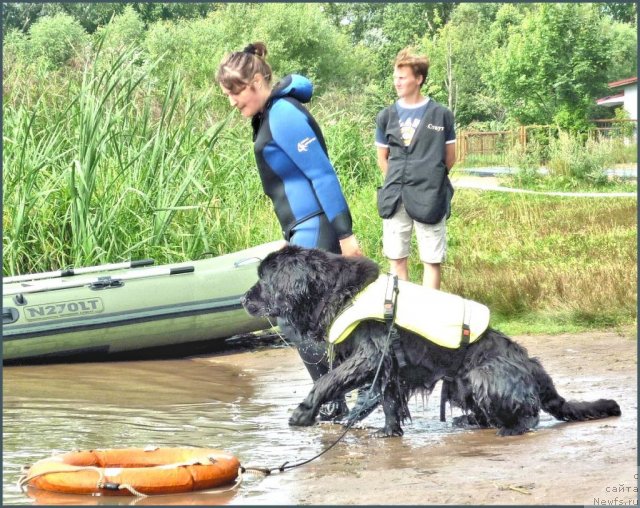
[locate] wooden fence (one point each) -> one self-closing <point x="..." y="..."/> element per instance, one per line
<point x="493" y="147"/>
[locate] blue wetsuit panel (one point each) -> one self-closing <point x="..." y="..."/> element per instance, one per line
<point x="295" y="170"/>
<point x="306" y="157"/>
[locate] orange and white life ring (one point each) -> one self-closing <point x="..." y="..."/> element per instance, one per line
<point x="134" y="470"/>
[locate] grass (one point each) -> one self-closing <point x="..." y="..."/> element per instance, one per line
<point x="101" y="166"/>
<point x="570" y="260"/>
<point x="541" y="263"/>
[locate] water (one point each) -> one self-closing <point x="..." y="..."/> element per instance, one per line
<point x="239" y="403"/>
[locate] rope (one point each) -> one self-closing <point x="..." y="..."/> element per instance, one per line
<point x="267" y="471"/>
<point x="277" y="332"/>
<point x="23" y="480"/>
<point x="126" y="486"/>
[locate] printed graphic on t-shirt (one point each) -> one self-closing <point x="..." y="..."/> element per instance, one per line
<point x="409" y="118"/>
<point x="408" y="129"/>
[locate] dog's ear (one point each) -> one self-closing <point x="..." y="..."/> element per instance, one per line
<point x="291" y="282"/>
<point x="278" y="258"/>
<point x="289" y="250"/>
<point x="356" y="273"/>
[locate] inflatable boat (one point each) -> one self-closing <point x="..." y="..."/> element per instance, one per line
<point x="94" y="311"/>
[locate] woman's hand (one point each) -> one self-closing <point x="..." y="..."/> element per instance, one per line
<point x="350" y="247"/>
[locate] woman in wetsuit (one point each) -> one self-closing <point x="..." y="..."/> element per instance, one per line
<point x="295" y="171"/>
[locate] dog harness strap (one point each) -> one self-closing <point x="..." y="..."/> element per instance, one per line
<point x="466" y="326"/>
<point x="397" y="348"/>
<point x="447" y="381"/>
<point x="390" y="303"/>
<point x="391" y="298"/>
<point x="445" y="394"/>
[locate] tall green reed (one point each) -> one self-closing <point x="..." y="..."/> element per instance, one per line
<point x="119" y="161"/>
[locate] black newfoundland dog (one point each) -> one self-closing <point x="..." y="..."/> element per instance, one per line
<point x="493" y="379"/>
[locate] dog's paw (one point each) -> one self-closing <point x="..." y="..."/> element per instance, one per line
<point x="465" y="421"/>
<point x="301" y="417"/>
<point x="512" y="431"/>
<point x="389" y="431"/>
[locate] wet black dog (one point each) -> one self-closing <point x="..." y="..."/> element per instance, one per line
<point x="494" y="380"/>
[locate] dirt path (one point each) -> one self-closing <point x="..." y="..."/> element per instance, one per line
<point x="580" y="463"/>
<point x="491" y="183"/>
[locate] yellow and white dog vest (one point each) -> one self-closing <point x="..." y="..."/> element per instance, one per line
<point x="435" y="315"/>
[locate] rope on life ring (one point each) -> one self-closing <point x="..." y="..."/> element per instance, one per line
<point x="140" y="472"/>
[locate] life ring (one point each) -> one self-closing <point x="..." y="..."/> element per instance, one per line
<point x="129" y="471"/>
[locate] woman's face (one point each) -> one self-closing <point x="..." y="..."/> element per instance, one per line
<point x="250" y="99"/>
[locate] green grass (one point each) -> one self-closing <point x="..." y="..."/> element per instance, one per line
<point x="570" y="260"/>
<point x="542" y="264"/>
<point x="101" y="166"/>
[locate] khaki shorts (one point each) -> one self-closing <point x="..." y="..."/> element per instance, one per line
<point x="396" y="237"/>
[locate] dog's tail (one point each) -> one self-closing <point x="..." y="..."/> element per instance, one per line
<point x="570" y="411"/>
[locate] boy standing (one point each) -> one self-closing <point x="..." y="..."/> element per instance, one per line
<point x="415" y="139"/>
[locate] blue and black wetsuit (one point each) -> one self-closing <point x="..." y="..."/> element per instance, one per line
<point x="298" y="177"/>
<point x="295" y="169"/>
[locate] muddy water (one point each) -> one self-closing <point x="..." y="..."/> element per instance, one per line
<point x="240" y="403"/>
<point x="57" y="408"/>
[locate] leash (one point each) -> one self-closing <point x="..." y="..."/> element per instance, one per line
<point x="391" y="299"/>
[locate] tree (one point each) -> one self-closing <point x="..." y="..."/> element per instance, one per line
<point x="621" y="12"/>
<point x="22" y="15"/>
<point x="150" y="12"/>
<point x="458" y="54"/>
<point x="386" y="28"/>
<point x="91" y="15"/>
<point x="623" y="57"/>
<point x="554" y="65"/>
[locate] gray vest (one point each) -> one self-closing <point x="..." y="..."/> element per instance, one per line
<point x="417" y="175"/>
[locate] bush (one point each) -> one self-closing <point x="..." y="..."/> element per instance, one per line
<point x="573" y="162"/>
<point x="193" y="48"/>
<point x="123" y="30"/>
<point x="15" y="46"/>
<point x="56" y="39"/>
<point x="527" y="162"/>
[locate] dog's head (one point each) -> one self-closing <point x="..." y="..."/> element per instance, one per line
<point x="294" y="281"/>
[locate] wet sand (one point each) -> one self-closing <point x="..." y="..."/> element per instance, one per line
<point x="559" y="463"/>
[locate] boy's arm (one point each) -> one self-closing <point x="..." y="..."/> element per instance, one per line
<point x="449" y="155"/>
<point x="383" y="159"/>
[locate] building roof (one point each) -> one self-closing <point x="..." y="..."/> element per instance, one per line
<point x="623" y="82"/>
<point x="611" y="99"/>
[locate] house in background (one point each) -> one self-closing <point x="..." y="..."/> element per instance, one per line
<point x="627" y="98"/>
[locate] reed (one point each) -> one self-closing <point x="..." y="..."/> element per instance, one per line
<point x="102" y="164"/>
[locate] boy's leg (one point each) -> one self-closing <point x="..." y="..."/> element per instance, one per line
<point x="432" y="275"/>
<point x="432" y="245"/>
<point x="396" y="239"/>
<point x="400" y="268"/>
